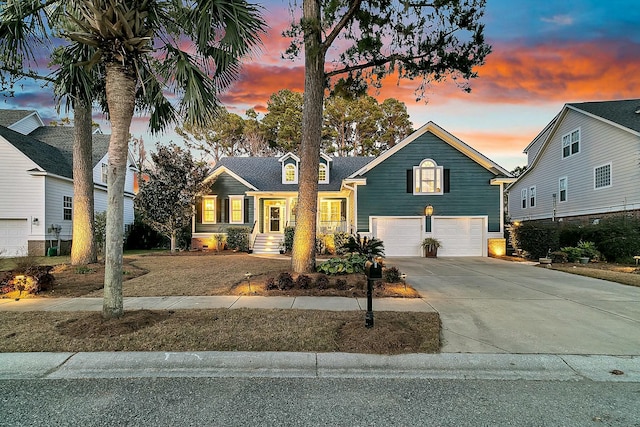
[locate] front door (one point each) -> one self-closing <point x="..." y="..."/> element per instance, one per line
<point x="275" y="219"/>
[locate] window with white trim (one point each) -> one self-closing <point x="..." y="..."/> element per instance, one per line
<point x="104" y="172"/>
<point x="323" y="174"/>
<point x="209" y="209"/>
<point x="562" y="188"/>
<point x="523" y="198"/>
<point x="236" y="209"/>
<point x="532" y="196"/>
<point x="571" y="143"/>
<point x="290" y="174"/>
<point x="427" y="178"/>
<point x="602" y="176"/>
<point x="67" y="208"/>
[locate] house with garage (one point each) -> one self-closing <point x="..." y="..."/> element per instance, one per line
<point x="583" y="166"/>
<point x="36" y="186"/>
<point x="429" y="185"/>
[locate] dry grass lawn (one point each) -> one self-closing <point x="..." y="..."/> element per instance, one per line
<point x="221" y="330"/>
<point x="624" y="274"/>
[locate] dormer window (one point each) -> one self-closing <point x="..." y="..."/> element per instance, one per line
<point x="290" y="174"/>
<point x="323" y="174"/>
<point x="290" y="163"/>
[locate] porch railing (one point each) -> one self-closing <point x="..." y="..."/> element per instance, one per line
<point x="330" y="227"/>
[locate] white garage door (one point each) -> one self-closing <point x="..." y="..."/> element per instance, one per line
<point x="459" y="236"/>
<point x="13" y="237"/>
<point x="401" y="236"/>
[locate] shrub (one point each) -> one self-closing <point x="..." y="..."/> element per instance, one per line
<point x="559" y="257"/>
<point x="30" y="280"/>
<point x="288" y="238"/>
<point x="369" y="247"/>
<point x="285" y="281"/>
<point x="339" y="240"/>
<point x="589" y="250"/>
<point x="572" y="253"/>
<point x="341" y="284"/>
<point x="140" y="236"/>
<point x="617" y="238"/>
<point x="322" y="282"/>
<point x="303" y="281"/>
<point x="238" y="238"/>
<point x="270" y="284"/>
<point x="537" y="239"/>
<point x="391" y="275"/>
<point x="320" y="247"/>
<point x="570" y="235"/>
<point x="353" y="263"/>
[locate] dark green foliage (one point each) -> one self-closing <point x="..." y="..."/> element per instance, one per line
<point x="271" y="284"/>
<point x="140" y="236"/>
<point x="572" y="253"/>
<point x="352" y="263"/>
<point x="238" y="238"/>
<point x="571" y="234"/>
<point x="303" y="281"/>
<point x="391" y="275"/>
<point x="340" y="239"/>
<point x="537" y="239"/>
<point x="617" y="238"/>
<point x="285" y="281"/>
<point x="322" y="282"/>
<point x="341" y="284"/>
<point x="288" y="238"/>
<point x="369" y="247"/>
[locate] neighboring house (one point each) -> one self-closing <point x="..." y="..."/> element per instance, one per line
<point x="36" y="185"/>
<point x="584" y="165"/>
<point x="383" y="197"/>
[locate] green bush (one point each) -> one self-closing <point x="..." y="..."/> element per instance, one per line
<point x="353" y="263"/>
<point x="340" y="239"/>
<point x="391" y="275"/>
<point x="570" y="235"/>
<point x="369" y="247"/>
<point x="589" y="250"/>
<point x="572" y="253"/>
<point x="238" y="238"/>
<point x="617" y="238"/>
<point x="537" y="239"/>
<point x="140" y="236"/>
<point x="288" y="238"/>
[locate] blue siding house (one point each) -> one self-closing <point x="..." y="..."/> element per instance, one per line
<point x="429" y="185"/>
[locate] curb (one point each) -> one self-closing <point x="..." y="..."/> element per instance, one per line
<point x="535" y="367"/>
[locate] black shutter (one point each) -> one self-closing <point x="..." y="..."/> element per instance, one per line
<point x="446" y="180"/>
<point x="245" y="203"/>
<point x="410" y="181"/>
<point x="226" y="210"/>
<point x="218" y="210"/>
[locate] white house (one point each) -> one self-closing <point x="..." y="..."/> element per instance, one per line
<point x="36" y="182"/>
<point x="585" y="164"/>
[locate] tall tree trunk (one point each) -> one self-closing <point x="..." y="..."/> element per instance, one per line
<point x="303" y="256"/>
<point x="83" y="247"/>
<point x="120" y="90"/>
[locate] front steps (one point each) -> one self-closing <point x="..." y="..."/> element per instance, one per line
<point x="268" y="243"/>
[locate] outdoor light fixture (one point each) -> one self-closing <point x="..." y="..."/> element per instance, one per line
<point x="35" y="221"/>
<point x="403" y="276"/>
<point x="428" y="210"/>
<point x="247" y="276"/>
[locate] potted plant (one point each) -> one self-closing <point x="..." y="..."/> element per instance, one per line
<point x="282" y="248"/>
<point x="430" y="246"/>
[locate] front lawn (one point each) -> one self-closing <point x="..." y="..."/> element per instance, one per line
<point x="624" y="274"/>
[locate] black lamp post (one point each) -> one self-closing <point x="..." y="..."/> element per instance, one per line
<point x="373" y="270"/>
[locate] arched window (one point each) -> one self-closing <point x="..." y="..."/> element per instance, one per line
<point x="427" y="178"/>
<point x="323" y="175"/>
<point x="290" y="174"/>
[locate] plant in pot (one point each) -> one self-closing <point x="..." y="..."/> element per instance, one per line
<point x="430" y="246"/>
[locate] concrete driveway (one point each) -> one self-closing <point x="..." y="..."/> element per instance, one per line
<point x="494" y="306"/>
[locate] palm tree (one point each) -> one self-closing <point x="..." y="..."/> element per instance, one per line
<point x="147" y="47"/>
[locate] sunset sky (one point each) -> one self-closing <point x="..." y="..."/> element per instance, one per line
<point x="545" y="54"/>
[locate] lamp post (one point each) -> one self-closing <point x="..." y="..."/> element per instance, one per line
<point x="428" y="210"/>
<point x="403" y="276"/>
<point x="247" y="276"/>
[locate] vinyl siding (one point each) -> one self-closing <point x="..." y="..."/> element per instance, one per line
<point x="26" y="125"/>
<point x="471" y="193"/>
<point x="55" y="190"/>
<point x="600" y="143"/>
<point x="224" y="187"/>
<point x="21" y="194"/>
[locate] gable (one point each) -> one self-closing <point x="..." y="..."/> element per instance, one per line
<point x="21" y="121"/>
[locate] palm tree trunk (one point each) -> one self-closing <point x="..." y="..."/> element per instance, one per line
<point x="83" y="248"/>
<point x="303" y="256"/>
<point x="120" y="87"/>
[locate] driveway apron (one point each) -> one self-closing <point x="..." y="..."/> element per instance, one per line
<point x="493" y="306"/>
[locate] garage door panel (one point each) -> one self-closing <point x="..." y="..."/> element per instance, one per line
<point x="401" y="236"/>
<point x="459" y="236"/>
<point x="13" y="237"/>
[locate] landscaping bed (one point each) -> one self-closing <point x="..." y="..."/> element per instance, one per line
<point x="620" y="273"/>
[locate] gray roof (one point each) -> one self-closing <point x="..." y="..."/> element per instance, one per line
<point x="61" y="137"/>
<point x="265" y="173"/>
<point x="622" y="112"/>
<point x="9" y="117"/>
<point x="44" y="155"/>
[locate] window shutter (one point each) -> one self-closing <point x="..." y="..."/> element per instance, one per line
<point x="226" y="210"/>
<point x="410" y="181"/>
<point x="218" y="211"/>
<point x="245" y="202"/>
<point x="446" y="180"/>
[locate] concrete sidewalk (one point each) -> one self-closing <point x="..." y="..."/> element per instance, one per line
<point x="231" y="302"/>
